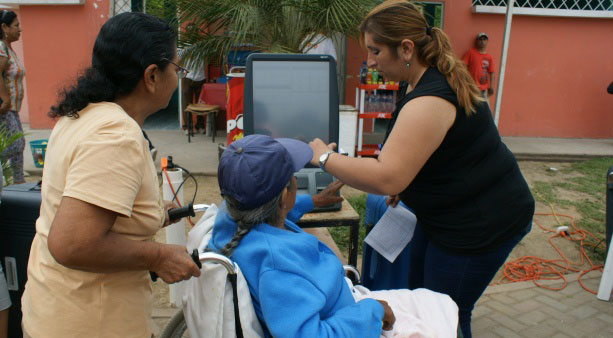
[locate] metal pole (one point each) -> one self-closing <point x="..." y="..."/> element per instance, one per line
<point x="503" y="59"/>
<point x="609" y="208"/>
<point x="606" y="281"/>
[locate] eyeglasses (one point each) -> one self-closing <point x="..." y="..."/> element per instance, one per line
<point x="181" y="72"/>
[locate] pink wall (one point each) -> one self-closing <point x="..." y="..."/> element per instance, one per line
<point x="57" y="42"/>
<point x="557" y="71"/>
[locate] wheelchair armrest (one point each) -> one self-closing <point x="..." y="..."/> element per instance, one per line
<point x="220" y="259"/>
<point x="352" y="273"/>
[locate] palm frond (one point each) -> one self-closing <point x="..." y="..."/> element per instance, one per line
<point x="280" y="26"/>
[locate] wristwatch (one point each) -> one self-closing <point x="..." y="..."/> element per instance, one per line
<point x="323" y="159"/>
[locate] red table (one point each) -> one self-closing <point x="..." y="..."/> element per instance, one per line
<point x="228" y="97"/>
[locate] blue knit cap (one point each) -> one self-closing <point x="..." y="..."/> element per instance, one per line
<point x="255" y="169"/>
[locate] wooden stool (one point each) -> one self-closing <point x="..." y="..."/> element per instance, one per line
<point x="209" y="110"/>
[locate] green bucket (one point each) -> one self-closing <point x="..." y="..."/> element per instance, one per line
<point x="38" y="147"/>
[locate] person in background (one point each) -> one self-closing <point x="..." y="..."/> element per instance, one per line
<point x="319" y="44"/>
<point x="191" y="85"/>
<point x="480" y="65"/>
<point x="11" y="91"/>
<point x="442" y="157"/>
<point x="88" y="271"/>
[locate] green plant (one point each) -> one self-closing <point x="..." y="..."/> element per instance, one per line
<point x="163" y="9"/>
<point x="341" y="234"/>
<point x="583" y="189"/>
<point x="277" y="26"/>
<point x="6" y="139"/>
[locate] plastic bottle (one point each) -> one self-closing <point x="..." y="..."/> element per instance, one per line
<point x="363" y="72"/>
<point x="375" y="76"/>
<point x="369" y="76"/>
<point x="372" y="103"/>
<point x="377" y="104"/>
<point x="384" y="105"/>
<point x="366" y="102"/>
<point x="390" y="102"/>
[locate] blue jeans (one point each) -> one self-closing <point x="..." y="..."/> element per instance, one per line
<point x="463" y="278"/>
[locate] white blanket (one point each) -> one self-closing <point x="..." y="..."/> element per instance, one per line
<point x="419" y="313"/>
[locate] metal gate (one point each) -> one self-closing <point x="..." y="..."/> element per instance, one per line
<point x="122" y="6"/>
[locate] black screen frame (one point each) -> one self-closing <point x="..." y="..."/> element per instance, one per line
<point x="248" y="120"/>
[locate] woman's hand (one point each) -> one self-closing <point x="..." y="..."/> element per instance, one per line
<point x="174" y="264"/>
<point x="319" y="148"/>
<point x="5" y="106"/>
<point x="167" y="206"/>
<point x="392" y="200"/>
<point x="388" y="316"/>
<point x="329" y="195"/>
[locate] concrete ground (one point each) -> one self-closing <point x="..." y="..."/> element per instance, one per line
<point x="200" y="156"/>
<point x="509" y="310"/>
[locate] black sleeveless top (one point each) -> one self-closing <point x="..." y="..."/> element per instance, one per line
<point x="470" y="195"/>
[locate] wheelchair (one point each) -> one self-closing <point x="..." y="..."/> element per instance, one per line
<point x="177" y="326"/>
<point x="219" y="304"/>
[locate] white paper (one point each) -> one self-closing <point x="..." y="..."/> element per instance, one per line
<point x="392" y="233"/>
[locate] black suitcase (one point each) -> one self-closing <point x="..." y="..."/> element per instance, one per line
<point x="18" y="213"/>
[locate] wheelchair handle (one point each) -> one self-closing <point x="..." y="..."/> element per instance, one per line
<point x="220" y="259"/>
<point x="186" y="211"/>
<point x="195" y="258"/>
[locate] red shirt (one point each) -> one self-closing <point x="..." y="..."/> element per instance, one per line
<point x="480" y="65"/>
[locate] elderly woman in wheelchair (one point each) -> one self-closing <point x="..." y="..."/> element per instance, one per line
<point x="297" y="284"/>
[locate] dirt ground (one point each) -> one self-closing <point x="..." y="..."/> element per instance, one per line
<point x="534" y="244"/>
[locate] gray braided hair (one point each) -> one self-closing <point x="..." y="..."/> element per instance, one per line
<point x="268" y="213"/>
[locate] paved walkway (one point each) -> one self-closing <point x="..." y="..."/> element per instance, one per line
<point x="510" y="310"/>
<point x="525" y="310"/>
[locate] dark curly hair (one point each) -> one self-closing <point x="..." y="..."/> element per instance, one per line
<point x="6" y="17"/>
<point x="126" y="45"/>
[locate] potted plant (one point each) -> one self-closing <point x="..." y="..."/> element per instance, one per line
<point x="6" y="140"/>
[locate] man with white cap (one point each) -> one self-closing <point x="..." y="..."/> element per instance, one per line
<point x="481" y="65"/>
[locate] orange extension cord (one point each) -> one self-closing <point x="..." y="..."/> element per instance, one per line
<point x="536" y="268"/>
<point x="189" y="220"/>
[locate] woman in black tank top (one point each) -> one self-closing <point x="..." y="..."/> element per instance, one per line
<point x="443" y="157"/>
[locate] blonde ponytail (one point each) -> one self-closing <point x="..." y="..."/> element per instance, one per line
<point x="395" y="20"/>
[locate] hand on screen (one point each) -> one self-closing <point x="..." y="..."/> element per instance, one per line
<point x="319" y="147"/>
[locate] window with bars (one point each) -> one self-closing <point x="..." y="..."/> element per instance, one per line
<point x="122" y="6"/>
<point x="573" y="8"/>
